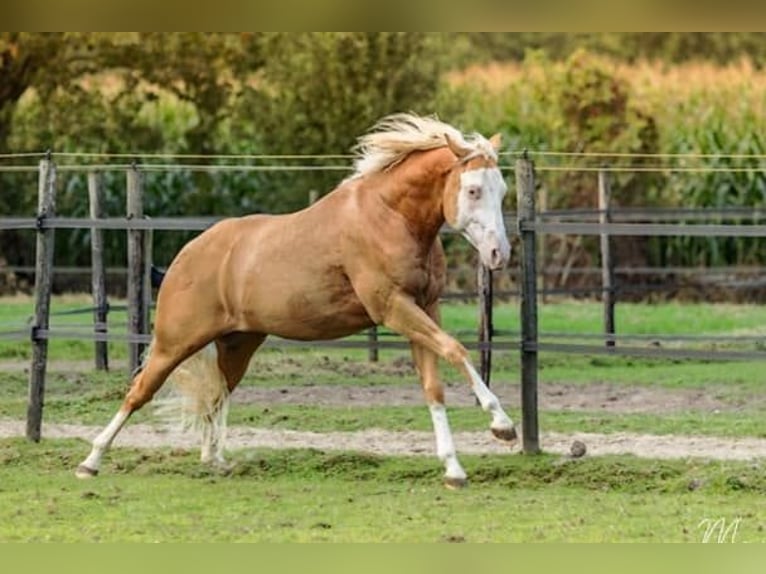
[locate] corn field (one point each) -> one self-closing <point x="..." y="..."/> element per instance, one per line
<point x="653" y="113"/>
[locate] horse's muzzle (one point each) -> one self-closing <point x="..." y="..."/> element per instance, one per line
<point x="498" y="260"/>
<point x="495" y="252"/>
<point x="493" y="247"/>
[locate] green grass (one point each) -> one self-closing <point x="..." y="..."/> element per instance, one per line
<point x="308" y="495"/>
<point x="326" y="366"/>
<point x="304" y="495"/>
<point x="17" y="313"/>
<point x="657" y="319"/>
<point x="667" y="373"/>
<point x="273" y="368"/>
<point x="94" y="398"/>
<point x="565" y="317"/>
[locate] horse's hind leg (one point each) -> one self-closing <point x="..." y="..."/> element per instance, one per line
<point x="233" y="353"/>
<point x="426" y="363"/>
<point x="144" y="385"/>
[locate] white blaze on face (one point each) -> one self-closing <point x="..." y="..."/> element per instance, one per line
<point x="480" y="215"/>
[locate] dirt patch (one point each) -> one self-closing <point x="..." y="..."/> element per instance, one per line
<point x="559" y="397"/>
<point x="417" y="443"/>
<point x="599" y="397"/>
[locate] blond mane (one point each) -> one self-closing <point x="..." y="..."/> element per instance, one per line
<point x="396" y="136"/>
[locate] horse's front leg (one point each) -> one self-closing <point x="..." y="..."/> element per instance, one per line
<point x="405" y="317"/>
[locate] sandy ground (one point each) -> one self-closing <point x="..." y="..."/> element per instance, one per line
<point x="592" y="397"/>
<point x="598" y="397"/>
<point x="560" y="397"/>
<point x="418" y="442"/>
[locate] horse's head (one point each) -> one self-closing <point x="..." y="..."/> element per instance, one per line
<point x="473" y="199"/>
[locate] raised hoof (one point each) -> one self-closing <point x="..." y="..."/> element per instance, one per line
<point x="85" y="472"/>
<point x="505" y="434"/>
<point x="455" y="483"/>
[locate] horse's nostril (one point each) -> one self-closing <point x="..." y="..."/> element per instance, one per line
<point x="497" y="257"/>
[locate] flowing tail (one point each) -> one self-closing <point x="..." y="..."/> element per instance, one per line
<point x="198" y="399"/>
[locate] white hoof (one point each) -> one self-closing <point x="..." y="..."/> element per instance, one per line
<point x="85" y="472"/>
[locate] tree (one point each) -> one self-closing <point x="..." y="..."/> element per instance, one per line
<point x="35" y="59"/>
<point x="320" y="91"/>
<point x="209" y="71"/>
<point x="45" y="60"/>
<point x="119" y="92"/>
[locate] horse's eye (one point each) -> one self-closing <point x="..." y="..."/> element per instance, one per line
<point x="474" y="192"/>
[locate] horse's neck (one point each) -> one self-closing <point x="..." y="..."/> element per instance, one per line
<point x="416" y="193"/>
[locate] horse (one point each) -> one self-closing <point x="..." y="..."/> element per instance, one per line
<point x="368" y="253"/>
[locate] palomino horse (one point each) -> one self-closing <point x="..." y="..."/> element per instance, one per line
<point x="366" y="254"/>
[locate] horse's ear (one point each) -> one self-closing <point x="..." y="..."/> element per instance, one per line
<point x="456" y="147"/>
<point x="496" y="141"/>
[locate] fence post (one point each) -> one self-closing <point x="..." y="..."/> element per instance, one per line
<point x="137" y="322"/>
<point x="372" y="344"/>
<point x="147" y="278"/>
<point x="542" y="247"/>
<point x="486" y="328"/>
<point x="46" y="207"/>
<point x="607" y="263"/>
<point x="98" y="276"/>
<point x="525" y="193"/>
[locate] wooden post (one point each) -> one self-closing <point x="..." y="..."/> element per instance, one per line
<point x="486" y="328"/>
<point x="137" y="322"/>
<point x="147" y="277"/>
<point x="372" y="344"/>
<point x="525" y="193"/>
<point x="98" y="275"/>
<point x="46" y="207"/>
<point x="607" y="263"/>
<point x="542" y="247"/>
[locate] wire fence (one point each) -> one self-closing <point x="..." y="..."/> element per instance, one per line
<point x="327" y="156"/>
<point x="645" y="221"/>
<point x="605" y="222"/>
<point x="548" y="161"/>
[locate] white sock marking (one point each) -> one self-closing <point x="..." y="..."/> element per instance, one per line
<point x="445" y="447"/>
<point x="102" y="442"/>
<point x="488" y="400"/>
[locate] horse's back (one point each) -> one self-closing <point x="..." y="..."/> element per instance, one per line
<point x="294" y="275"/>
<point x="275" y="274"/>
